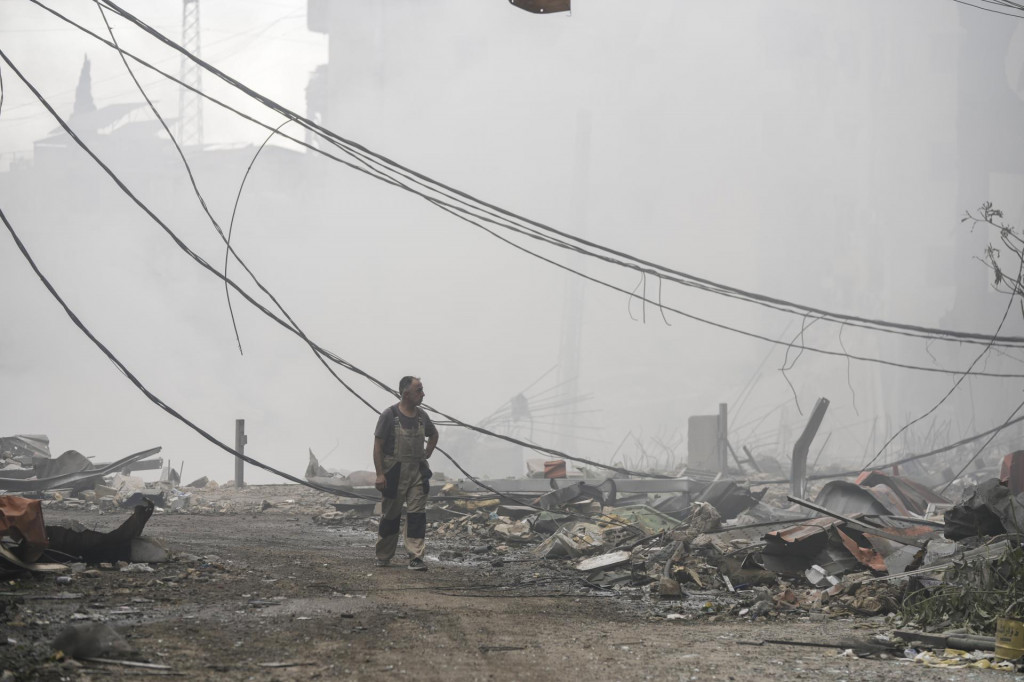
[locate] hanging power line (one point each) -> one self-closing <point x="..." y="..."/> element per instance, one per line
<point x="478" y="212"/>
<point x="461" y="213"/>
<point x="322" y="353"/>
<point x="409" y="179"/>
<point x="365" y="163"/>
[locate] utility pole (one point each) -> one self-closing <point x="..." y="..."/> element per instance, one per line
<point x="722" y="446"/>
<point x="190" y="103"/>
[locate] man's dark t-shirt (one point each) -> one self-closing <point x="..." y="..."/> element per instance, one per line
<point x="386" y="426"/>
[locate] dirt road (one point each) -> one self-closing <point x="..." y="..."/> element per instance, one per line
<point x="271" y="595"/>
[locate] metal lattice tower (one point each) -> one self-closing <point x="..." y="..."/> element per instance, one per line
<point x="190" y="105"/>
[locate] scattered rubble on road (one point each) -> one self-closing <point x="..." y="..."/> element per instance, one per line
<point x="929" y="574"/>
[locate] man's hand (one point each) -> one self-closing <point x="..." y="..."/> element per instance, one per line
<point x="381" y="483"/>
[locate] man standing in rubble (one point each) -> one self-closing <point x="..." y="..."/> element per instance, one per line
<point x="400" y="459"/>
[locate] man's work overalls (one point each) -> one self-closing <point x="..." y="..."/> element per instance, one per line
<point x="407" y="480"/>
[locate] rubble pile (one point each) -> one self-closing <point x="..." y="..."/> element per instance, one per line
<point x="882" y="547"/>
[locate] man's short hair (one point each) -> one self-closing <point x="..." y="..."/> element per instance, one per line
<point x="405" y="383"/>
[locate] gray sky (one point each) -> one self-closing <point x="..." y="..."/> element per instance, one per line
<point x="803" y="150"/>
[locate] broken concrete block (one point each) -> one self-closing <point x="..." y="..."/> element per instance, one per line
<point x="520" y="530"/>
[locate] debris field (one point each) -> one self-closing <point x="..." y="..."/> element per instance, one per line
<point x="697" y="576"/>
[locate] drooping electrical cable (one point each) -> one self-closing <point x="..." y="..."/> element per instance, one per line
<point x="212" y="439"/>
<point x="188" y="168"/>
<point x="989" y="339"/>
<point x="231" y="223"/>
<point x="139" y="385"/>
<point x="999" y="3"/>
<point x="956" y="384"/>
<point x="562" y="239"/>
<point x="362" y="165"/>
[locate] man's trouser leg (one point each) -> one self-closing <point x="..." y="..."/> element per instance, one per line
<point x="416" y="512"/>
<point x="390" y="515"/>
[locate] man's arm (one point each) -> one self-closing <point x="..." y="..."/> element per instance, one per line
<point x="431" y="444"/>
<point x="378" y="462"/>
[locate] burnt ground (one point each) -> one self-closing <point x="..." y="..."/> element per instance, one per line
<point x="272" y="595"/>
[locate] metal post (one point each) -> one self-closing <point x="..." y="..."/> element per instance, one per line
<point x="723" y="437"/>
<point x="240" y="440"/>
<point x="798" y="474"/>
